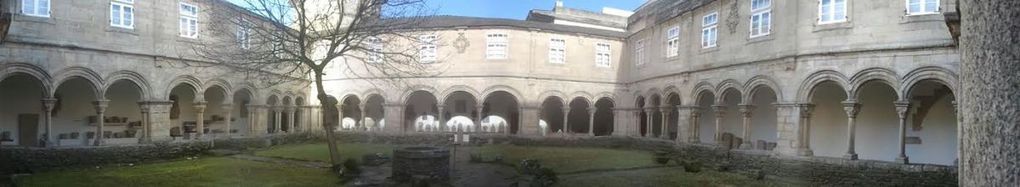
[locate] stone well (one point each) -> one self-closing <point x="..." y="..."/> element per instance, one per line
<point x="429" y="162"/>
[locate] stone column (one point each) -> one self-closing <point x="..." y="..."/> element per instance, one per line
<point x="566" y="120"/>
<point x="478" y="118"/>
<point x="903" y="109"/>
<point x="804" y="148"/>
<point x="591" y="121"/>
<point x="146" y="136"/>
<point x="48" y="104"/>
<point x="852" y="107"/>
<point x="199" y="119"/>
<point x="289" y="111"/>
<point x="228" y="108"/>
<point x="664" y="129"/>
<point x="746" y="111"/>
<point x="442" y="117"/>
<point x="364" y="116"/>
<point x="648" y="122"/>
<point x="278" y="119"/>
<point x="637" y="122"/>
<point x="251" y="119"/>
<point x="695" y="132"/>
<point x="720" y="113"/>
<point x="682" y="115"/>
<point x="100" y="106"/>
<point x="159" y="120"/>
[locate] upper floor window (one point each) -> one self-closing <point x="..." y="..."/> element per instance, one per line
<point x="122" y="13"/>
<point x="40" y="8"/>
<point x="761" y="17"/>
<point x="244" y="34"/>
<point x="917" y="7"/>
<point x="375" y="49"/>
<point x="496" y="46"/>
<point x="557" y="51"/>
<point x="603" y="54"/>
<point x="673" y="41"/>
<point x="639" y="52"/>
<point x="709" y="33"/>
<point x="189" y="20"/>
<point x="831" y="11"/>
<point x="428" y="50"/>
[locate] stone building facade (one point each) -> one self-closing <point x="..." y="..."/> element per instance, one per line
<point x="854" y="79"/>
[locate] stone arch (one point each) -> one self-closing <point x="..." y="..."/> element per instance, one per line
<point x="882" y="75"/>
<point x="552" y="93"/>
<point x="411" y="89"/>
<point x="804" y="93"/>
<point x="932" y="73"/>
<point x="457" y="88"/>
<point x="374" y="91"/>
<point x="81" y="72"/>
<point x="143" y="85"/>
<point x="756" y="83"/>
<point x="185" y="79"/>
<point x="45" y="80"/>
<point x="587" y="97"/>
<point x="250" y="88"/>
<point x="223" y="84"/>
<point x="671" y="89"/>
<point x="726" y="86"/>
<point x="700" y="89"/>
<point x="606" y="95"/>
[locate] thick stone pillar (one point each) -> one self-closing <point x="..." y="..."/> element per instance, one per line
<point x="903" y="109"/>
<point x="146" y="135"/>
<point x="591" y="121"/>
<point x="100" y="106"/>
<point x="788" y="127"/>
<point x="746" y="111"/>
<point x="663" y="127"/>
<point x="852" y="107"/>
<point x="683" y="117"/>
<point x="48" y="104"/>
<point x="635" y="130"/>
<point x="720" y="114"/>
<point x="529" y="122"/>
<point x="199" y="119"/>
<point x="228" y="109"/>
<point x="394" y="115"/>
<point x="695" y="135"/>
<point x="804" y="148"/>
<point x="159" y="120"/>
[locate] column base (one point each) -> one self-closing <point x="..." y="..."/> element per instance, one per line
<point x="850" y="156"/>
<point x="805" y="152"/>
<point x="746" y="145"/>
<point x="902" y="160"/>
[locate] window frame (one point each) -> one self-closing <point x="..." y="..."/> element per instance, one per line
<point x="491" y="43"/>
<point x="375" y="50"/>
<point x="921" y="5"/>
<point x="559" y="45"/>
<point x="428" y="51"/>
<point x="639" y="52"/>
<point x="243" y="34"/>
<point x="764" y="27"/>
<point x="673" y="41"/>
<point x="185" y="21"/>
<point x="710" y="41"/>
<point x="600" y="52"/>
<point x="833" y="10"/>
<point x="124" y="5"/>
<point x="35" y="8"/>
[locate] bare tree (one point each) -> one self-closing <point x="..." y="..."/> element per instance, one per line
<point x="276" y="41"/>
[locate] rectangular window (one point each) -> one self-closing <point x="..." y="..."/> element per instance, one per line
<point x="38" y="8"/>
<point x="639" y="52"/>
<point x="919" y="7"/>
<point x="603" y="55"/>
<point x="831" y="11"/>
<point x="375" y="49"/>
<point x="709" y="33"/>
<point x="673" y="41"/>
<point x="427" y="53"/>
<point x="122" y="14"/>
<point x="244" y="34"/>
<point x="496" y="46"/>
<point x="557" y="51"/>
<point x="761" y="17"/>
<point x="189" y="20"/>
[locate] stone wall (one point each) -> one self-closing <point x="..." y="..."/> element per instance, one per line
<point x="27" y="160"/>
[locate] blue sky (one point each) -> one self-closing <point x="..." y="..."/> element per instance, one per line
<point x="514" y="9"/>
<point x="518" y="9"/>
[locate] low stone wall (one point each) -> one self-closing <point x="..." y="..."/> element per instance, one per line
<point x="27" y="160"/>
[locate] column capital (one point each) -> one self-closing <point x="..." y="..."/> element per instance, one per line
<point x="101" y="105"/>
<point x="591" y="111"/>
<point x="852" y="107"/>
<point x="746" y="109"/>
<point x="805" y="109"/>
<point x="649" y="109"/>
<point x="199" y="108"/>
<point x="48" y="103"/>
<point x="666" y="109"/>
<point x="720" y="110"/>
<point x="902" y="108"/>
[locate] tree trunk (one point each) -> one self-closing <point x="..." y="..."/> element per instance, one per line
<point x="334" y="154"/>
<point x="990" y="93"/>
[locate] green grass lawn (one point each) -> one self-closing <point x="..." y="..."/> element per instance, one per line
<point x="199" y="172"/>
<point x="568" y="159"/>
<point x="668" y="177"/>
<point x="320" y="152"/>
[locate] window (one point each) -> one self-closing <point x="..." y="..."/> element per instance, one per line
<point x="603" y="55"/>
<point x="918" y="7"/>
<point x="557" y="51"/>
<point x="761" y="17"/>
<point x="189" y="20"/>
<point x="496" y="46"/>
<point x="375" y="49"/>
<point x="673" y="41"/>
<point x="122" y="13"/>
<point x="831" y="11"/>
<point x="639" y="52"/>
<point x="244" y="34"/>
<point x="709" y="33"/>
<point x="40" y="8"/>
<point x="427" y="53"/>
